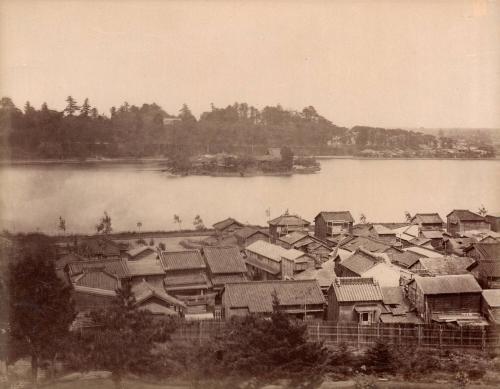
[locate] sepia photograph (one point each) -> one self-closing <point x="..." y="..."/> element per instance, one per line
<point x="236" y="194"/>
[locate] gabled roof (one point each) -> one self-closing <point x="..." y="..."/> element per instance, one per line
<point x="355" y="242"/>
<point x="223" y="279"/>
<point x="273" y="251"/>
<point x="117" y="267"/>
<point x="337" y="216"/>
<point x="223" y="260"/>
<point x="451" y="284"/>
<point x="62" y="261"/>
<point x="257" y="296"/>
<point x="144" y="290"/>
<point x="294" y="237"/>
<point x="324" y="275"/>
<point x="486" y="268"/>
<point x="360" y="262"/>
<point x="145" y="268"/>
<point x="247" y="232"/>
<point x="465" y="215"/>
<point x="424" y="251"/>
<point x="427" y="218"/>
<point x="492" y="297"/>
<point x="226" y="223"/>
<point x="188" y="281"/>
<point x="432" y="234"/>
<point x="487" y="250"/>
<point x="393" y="295"/>
<point x="404" y="258"/>
<point x="97" y="278"/>
<point x="182" y="260"/>
<point x="356" y="289"/>
<point x="446" y="265"/>
<point x="288" y="220"/>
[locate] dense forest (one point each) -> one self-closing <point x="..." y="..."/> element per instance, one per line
<point x="80" y="131"/>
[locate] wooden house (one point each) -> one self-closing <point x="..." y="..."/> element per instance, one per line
<point x="403" y="258"/>
<point x="382" y="233"/>
<point x="446" y="299"/>
<point x="115" y="267"/>
<point x="428" y="221"/>
<point x="299" y="299"/>
<point x="323" y="273"/>
<point x="365" y="264"/>
<point x="227" y="226"/>
<point x="459" y="221"/>
<point x="306" y="243"/>
<point x="185" y="273"/>
<point x="146" y="270"/>
<point x="483" y="251"/>
<point x="269" y="261"/>
<point x="154" y="299"/>
<point x="442" y="266"/>
<point x="99" y="247"/>
<point x="355" y="299"/>
<point x="247" y="235"/>
<point x="490" y="305"/>
<point x="94" y="288"/>
<point x="332" y="223"/>
<point x="225" y="264"/>
<point x="285" y="224"/>
<point x="487" y="273"/>
<point x="494" y="222"/>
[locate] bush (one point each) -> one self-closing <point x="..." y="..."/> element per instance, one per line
<point x="380" y="358"/>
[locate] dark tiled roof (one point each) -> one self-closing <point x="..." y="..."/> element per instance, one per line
<point x="117" y="267"/>
<point x="293" y="237"/>
<point x="257" y="296"/>
<point x="369" y="244"/>
<point x="465" y="283"/>
<point x="182" y="260"/>
<point x="324" y="275"/>
<point x="488" y="250"/>
<point x="404" y="258"/>
<point x="176" y="282"/>
<point x="226" y="223"/>
<point x="247" y="232"/>
<point x="466" y="215"/>
<point x="288" y="220"/>
<point x="223" y="279"/>
<point x="62" y="261"/>
<point x="360" y="262"/>
<point x="427" y="218"/>
<point x="97" y="278"/>
<point x="446" y="265"/>
<point x="356" y="289"/>
<point x="144" y="290"/>
<point x="145" y="267"/>
<point x="222" y="260"/>
<point x="340" y="216"/>
<point x="487" y="268"/>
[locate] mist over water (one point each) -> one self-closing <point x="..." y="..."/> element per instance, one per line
<point x="32" y="197"/>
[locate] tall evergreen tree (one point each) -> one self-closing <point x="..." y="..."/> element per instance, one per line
<point x="71" y="107"/>
<point x="85" y="109"/>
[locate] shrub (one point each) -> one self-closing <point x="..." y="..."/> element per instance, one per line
<point x="380" y="358"/>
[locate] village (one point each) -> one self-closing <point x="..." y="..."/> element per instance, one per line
<point x="422" y="272"/>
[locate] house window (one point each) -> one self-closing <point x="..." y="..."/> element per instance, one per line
<point x="364" y="318"/>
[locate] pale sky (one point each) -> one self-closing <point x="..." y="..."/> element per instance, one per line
<point x="378" y="63"/>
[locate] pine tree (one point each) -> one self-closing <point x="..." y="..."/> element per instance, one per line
<point x="85" y="109"/>
<point x="71" y="107"/>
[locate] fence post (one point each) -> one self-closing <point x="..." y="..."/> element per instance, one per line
<point x="419" y="335"/>
<point x="200" y="330"/>
<point x="440" y="336"/>
<point x="359" y="336"/>
<point x="483" y="338"/>
<point x="317" y="332"/>
<point x="338" y="335"/>
<point x="399" y="334"/>
<point x="461" y="336"/>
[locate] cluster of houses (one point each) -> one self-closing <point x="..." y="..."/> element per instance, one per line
<point x="420" y="272"/>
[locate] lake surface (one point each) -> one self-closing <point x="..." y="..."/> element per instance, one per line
<point x="34" y="196"/>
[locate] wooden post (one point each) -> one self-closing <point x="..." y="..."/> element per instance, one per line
<point x="317" y="331"/>
<point x="359" y="336"/>
<point x="440" y="336"/>
<point x="399" y="334"/>
<point x="200" y="331"/>
<point x="461" y="337"/>
<point x="338" y="335"/>
<point x="419" y="335"/>
<point x="483" y="338"/>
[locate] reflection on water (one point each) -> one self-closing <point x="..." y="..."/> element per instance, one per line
<point x="33" y="197"/>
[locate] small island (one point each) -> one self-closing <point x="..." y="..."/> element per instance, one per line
<point x="277" y="161"/>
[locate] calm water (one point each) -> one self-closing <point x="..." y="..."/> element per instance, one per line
<point x="33" y="197"/>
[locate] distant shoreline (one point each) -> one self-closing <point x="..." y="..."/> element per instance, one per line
<point x="131" y="161"/>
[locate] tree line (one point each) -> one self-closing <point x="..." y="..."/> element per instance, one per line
<point x="81" y="131"/>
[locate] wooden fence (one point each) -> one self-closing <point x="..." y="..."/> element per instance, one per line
<point x="361" y="336"/>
